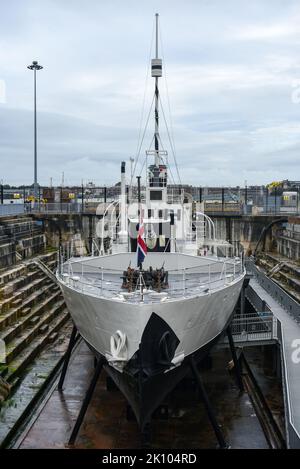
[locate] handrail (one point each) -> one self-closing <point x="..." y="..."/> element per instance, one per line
<point x="228" y="261"/>
<point x="183" y="283"/>
<point x="114" y="203"/>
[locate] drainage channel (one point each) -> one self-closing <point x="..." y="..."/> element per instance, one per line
<point x="269" y="425"/>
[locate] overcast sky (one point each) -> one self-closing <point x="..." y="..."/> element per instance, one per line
<point x="232" y="72"/>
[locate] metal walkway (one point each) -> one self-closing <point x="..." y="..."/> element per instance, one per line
<point x="254" y="329"/>
<point x="287" y="312"/>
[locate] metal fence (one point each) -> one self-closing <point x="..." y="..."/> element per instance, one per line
<point x="101" y="281"/>
<point x="256" y="200"/>
<point x="48" y="208"/>
<point x="56" y="207"/>
<point x="254" y="329"/>
<point x="11" y="209"/>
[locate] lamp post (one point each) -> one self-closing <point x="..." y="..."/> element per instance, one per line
<point x="35" y="66"/>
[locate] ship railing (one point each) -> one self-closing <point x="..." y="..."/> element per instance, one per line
<point x="184" y="282"/>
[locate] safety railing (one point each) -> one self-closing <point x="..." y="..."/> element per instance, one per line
<point x="102" y="281"/>
<point x="56" y="207"/>
<point x="11" y="209"/>
<point x="255" y="327"/>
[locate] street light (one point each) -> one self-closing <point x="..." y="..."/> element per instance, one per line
<point x="35" y="66"/>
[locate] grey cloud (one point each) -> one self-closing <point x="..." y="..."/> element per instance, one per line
<point x="230" y="68"/>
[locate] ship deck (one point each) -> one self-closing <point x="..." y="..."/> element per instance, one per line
<point x="111" y="287"/>
<point x="101" y="281"/>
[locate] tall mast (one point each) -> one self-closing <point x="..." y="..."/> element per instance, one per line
<point x="157" y="174"/>
<point x="156" y="68"/>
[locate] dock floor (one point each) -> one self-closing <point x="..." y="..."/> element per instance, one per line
<point x="291" y="362"/>
<point x="106" y="426"/>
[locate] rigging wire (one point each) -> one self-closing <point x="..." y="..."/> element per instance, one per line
<point x="167" y="162"/>
<point x="171" y="144"/>
<point x="170" y="135"/>
<point x="142" y="167"/>
<point x="146" y="158"/>
<point x="169" y="105"/>
<point x="139" y="151"/>
<point x="144" y="99"/>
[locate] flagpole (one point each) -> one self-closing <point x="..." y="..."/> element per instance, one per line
<point x="139" y="206"/>
<point x="141" y="279"/>
<point x="139" y="189"/>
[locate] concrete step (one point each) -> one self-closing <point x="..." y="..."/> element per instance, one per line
<point x="53" y="337"/>
<point x="48" y="257"/>
<point x="34" y="382"/>
<point x="8" y="312"/>
<point x="13" y="315"/>
<point x="25" y="311"/>
<point x="22" y="294"/>
<point x="26" y="320"/>
<point x="20" y="238"/>
<point x="26" y="234"/>
<point x="13" y="225"/>
<point x="33" y="321"/>
<point x="16" y="302"/>
<point x="15" y="219"/>
<point x="12" y="273"/>
<point x="21" y="362"/>
<point x="17" y="283"/>
<point x="19" y="343"/>
<point x="29" y="246"/>
<point x="7" y="254"/>
<point x="44" y="328"/>
<point x="52" y="266"/>
<point x="289" y="279"/>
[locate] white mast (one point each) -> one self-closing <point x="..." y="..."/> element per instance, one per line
<point x="157" y="177"/>
<point x="156" y="69"/>
<point x="123" y="235"/>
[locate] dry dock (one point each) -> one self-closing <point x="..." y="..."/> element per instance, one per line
<point x="106" y="424"/>
<point x="35" y="326"/>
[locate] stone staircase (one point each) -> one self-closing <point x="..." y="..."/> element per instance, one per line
<point x="32" y="313"/>
<point x="283" y="271"/>
<point x="20" y="238"/>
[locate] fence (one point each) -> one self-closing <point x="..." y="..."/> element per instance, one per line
<point x="101" y="281"/>
<point x="11" y="209"/>
<point x="261" y="327"/>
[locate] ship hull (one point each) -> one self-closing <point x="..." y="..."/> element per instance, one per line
<point x="161" y="338"/>
<point x="147" y="394"/>
<point x="195" y="320"/>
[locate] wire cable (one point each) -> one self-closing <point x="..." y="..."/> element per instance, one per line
<point x="144" y="100"/>
<point x="169" y="106"/>
<point x="139" y="151"/>
<point x="171" y="145"/>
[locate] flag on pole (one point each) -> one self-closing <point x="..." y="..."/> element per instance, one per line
<point x="141" y="245"/>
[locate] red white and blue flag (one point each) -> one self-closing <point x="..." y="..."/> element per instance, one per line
<point x="141" y="245"/>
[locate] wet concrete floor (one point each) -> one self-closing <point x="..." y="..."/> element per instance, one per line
<point x="106" y="426"/>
